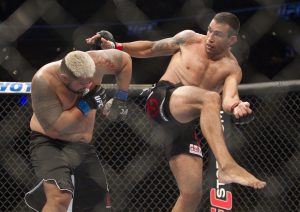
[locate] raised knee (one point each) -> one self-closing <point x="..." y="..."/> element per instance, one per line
<point x="212" y="99"/>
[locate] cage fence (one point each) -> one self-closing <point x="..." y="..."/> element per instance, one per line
<point x="133" y="153"/>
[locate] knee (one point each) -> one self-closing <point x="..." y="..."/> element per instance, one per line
<point x="191" y="198"/>
<point x="60" y="200"/>
<point x="212" y="99"/>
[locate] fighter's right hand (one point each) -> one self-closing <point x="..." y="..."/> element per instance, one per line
<point x="242" y="113"/>
<point x="102" y="40"/>
<point x="94" y="99"/>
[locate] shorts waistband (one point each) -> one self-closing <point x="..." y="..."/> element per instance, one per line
<point x="168" y="84"/>
<point x="40" y="137"/>
<point x="35" y="134"/>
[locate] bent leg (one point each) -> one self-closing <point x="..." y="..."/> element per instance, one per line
<point x="188" y="103"/>
<point x="187" y="171"/>
<point x="57" y="200"/>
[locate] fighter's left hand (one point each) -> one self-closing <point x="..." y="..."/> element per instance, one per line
<point x="102" y="40"/>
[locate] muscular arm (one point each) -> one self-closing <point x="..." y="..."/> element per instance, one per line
<point x="114" y="62"/>
<point x="230" y="90"/>
<point x="164" y="47"/>
<point x="49" y="112"/>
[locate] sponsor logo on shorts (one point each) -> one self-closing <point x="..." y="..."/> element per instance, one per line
<point x="152" y="107"/>
<point x="195" y="149"/>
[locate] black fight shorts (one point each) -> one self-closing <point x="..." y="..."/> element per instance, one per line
<point x="185" y="138"/>
<point x="72" y="167"/>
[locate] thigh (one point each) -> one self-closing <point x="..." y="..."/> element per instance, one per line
<point x="50" y="163"/>
<point x="186" y="103"/>
<point x="186" y="140"/>
<point x="53" y="174"/>
<point x="90" y="185"/>
<point x="53" y="192"/>
<point x="187" y="170"/>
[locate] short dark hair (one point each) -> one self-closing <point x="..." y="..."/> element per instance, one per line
<point x="230" y="19"/>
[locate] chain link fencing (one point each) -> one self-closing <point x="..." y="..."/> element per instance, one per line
<point x="133" y="153"/>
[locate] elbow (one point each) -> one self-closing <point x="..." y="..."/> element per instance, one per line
<point x="124" y="74"/>
<point x="128" y="59"/>
<point x="53" y="133"/>
<point x="128" y="65"/>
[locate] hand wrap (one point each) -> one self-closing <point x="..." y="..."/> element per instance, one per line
<point x="116" y="108"/>
<point x="108" y="36"/>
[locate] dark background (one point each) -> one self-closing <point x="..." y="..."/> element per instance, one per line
<point x="33" y="33"/>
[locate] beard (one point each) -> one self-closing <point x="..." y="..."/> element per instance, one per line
<point x="80" y="91"/>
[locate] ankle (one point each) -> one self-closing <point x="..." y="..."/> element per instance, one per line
<point x="227" y="165"/>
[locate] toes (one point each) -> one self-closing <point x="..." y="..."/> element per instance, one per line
<point x="259" y="185"/>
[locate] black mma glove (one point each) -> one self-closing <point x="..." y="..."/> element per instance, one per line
<point x="94" y="99"/>
<point x="116" y="108"/>
<point x="106" y="35"/>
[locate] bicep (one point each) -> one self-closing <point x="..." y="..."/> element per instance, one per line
<point x="111" y="61"/>
<point x="46" y="106"/>
<point x="171" y="45"/>
<point x="165" y="47"/>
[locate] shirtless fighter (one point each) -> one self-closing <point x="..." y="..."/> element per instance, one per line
<point x="65" y="96"/>
<point x="201" y="68"/>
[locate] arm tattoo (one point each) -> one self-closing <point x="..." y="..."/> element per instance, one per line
<point x="46" y="104"/>
<point x="168" y="45"/>
<point x="179" y="41"/>
<point x="113" y="60"/>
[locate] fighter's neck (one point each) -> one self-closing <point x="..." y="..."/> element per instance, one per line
<point x="216" y="57"/>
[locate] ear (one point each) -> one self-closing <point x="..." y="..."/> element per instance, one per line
<point x="64" y="77"/>
<point x="232" y="40"/>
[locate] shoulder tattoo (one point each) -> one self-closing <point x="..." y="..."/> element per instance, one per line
<point x="112" y="59"/>
<point x="46" y="104"/>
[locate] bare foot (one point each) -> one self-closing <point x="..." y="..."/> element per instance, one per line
<point x="237" y="174"/>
